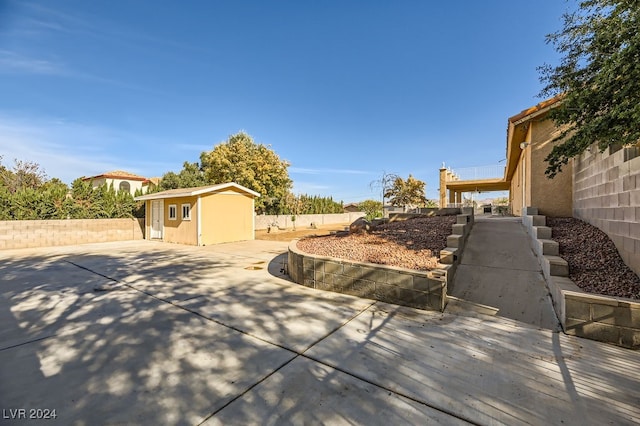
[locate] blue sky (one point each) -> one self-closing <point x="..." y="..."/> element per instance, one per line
<point x="344" y="90"/>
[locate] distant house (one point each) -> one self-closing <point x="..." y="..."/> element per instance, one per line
<point x="150" y="184"/>
<point x="121" y="180"/>
<point x="202" y="215"/>
<point x="352" y="208"/>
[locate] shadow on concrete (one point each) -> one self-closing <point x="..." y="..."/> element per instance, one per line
<point x="182" y="333"/>
<point x="120" y="355"/>
<point x="190" y="335"/>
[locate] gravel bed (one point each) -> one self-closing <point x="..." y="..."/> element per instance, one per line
<point x="413" y="243"/>
<point x="594" y="262"/>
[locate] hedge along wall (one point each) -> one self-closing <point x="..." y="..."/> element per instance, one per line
<point x="16" y="234"/>
<point x="606" y="194"/>
<point x="305" y="220"/>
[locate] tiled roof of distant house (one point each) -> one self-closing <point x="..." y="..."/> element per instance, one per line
<point x="152" y="180"/>
<point x="117" y="174"/>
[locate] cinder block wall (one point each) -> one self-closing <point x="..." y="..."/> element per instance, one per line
<point x="606" y="194"/>
<point x="304" y="220"/>
<point x="16" y="234"/>
<point x="417" y="289"/>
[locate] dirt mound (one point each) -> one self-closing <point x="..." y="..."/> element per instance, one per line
<point x="413" y="243"/>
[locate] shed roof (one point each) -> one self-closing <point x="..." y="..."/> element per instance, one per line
<point x="198" y="190"/>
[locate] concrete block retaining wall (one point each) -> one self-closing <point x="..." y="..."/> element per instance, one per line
<point x="606" y="194"/>
<point x="305" y="220"/>
<point x="417" y="289"/>
<point x="17" y="234"/>
<point x="407" y="287"/>
<point x="593" y="316"/>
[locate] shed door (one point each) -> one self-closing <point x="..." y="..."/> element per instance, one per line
<point x="157" y="218"/>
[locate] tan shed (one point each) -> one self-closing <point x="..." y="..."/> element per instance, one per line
<point x="200" y="216"/>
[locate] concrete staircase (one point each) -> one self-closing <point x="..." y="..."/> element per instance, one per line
<point x="546" y="249"/>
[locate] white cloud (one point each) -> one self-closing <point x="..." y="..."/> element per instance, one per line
<point x="68" y="150"/>
<point x="15" y="62"/>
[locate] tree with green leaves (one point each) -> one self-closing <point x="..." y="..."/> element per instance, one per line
<point x="255" y="166"/>
<point x="55" y="202"/>
<point x="309" y="204"/>
<point x="23" y="175"/>
<point x="598" y="79"/>
<point x="190" y="176"/>
<point x="6" y="203"/>
<point x="410" y="192"/>
<point x="26" y="194"/>
<point x="86" y="203"/>
<point x="371" y="208"/>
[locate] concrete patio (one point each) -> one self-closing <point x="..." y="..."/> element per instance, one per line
<point x="216" y="335"/>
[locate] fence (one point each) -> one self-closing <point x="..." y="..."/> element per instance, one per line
<point x="482" y="172"/>
<point x="16" y="234"/>
<point x="305" y="220"/>
<point x="606" y="194"/>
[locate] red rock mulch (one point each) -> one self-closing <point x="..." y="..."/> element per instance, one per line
<point x="594" y="262"/>
<point x="413" y="243"/>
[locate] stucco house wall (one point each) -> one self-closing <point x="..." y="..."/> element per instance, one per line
<point x="529" y="142"/>
<point x="116" y="177"/>
<point x="181" y="230"/>
<point x="516" y="192"/>
<point x="552" y="197"/>
<point x="227" y="216"/>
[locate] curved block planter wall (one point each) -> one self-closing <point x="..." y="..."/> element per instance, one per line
<point x="417" y="289"/>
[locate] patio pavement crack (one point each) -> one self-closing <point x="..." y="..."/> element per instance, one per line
<point x="297" y="354"/>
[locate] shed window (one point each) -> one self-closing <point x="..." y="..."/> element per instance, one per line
<point x="186" y="212"/>
<point x="173" y="212"/>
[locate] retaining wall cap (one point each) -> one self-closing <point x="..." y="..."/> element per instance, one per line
<point x="602" y="299"/>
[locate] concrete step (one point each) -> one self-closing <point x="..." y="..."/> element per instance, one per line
<point x="463" y="219"/>
<point x="554" y="266"/>
<point x="455" y="241"/>
<point x="547" y="247"/>
<point x="448" y="255"/>
<point x="542" y="232"/>
<point x="459" y="229"/>
<point x="539" y="220"/>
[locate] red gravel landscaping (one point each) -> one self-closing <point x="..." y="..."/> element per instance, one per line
<point x="413" y="243"/>
<point x="594" y="262"/>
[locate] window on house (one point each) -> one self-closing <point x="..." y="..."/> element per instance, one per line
<point x="125" y="186"/>
<point x="173" y="212"/>
<point x="186" y="212"/>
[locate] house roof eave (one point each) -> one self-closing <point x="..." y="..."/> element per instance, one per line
<point x="517" y="128"/>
